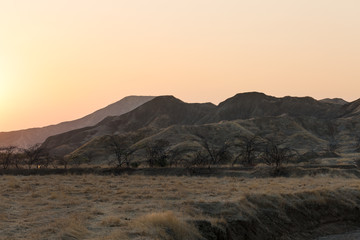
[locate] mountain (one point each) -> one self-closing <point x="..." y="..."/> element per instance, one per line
<point x="334" y="100"/>
<point x="29" y="137"/>
<point x="186" y="140"/>
<point x="303" y="123"/>
<point x="159" y="112"/>
<point x="351" y="109"/>
<point x="254" y="104"/>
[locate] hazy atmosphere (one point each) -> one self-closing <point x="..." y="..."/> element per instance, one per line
<point x="60" y="60"/>
<point x="179" y="120"/>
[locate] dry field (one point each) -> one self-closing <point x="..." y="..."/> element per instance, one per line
<point x="147" y="207"/>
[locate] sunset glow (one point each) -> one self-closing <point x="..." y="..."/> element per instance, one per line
<point x="61" y="60"/>
<point x="3" y="84"/>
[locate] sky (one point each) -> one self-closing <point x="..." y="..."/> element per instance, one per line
<point x="63" y="59"/>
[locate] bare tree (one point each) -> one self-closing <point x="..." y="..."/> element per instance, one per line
<point x="64" y="160"/>
<point x="200" y="159"/>
<point x="7" y="156"/>
<point x="32" y="155"/>
<point x="157" y="153"/>
<point x="250" y="147"/>
<point x="121" y="147"/>
<point x="174" y="157"/>
<point x="44" y="159"/>
<point x="217" y="154"/>
<point x="17" y="160"/>
<point x="276" y="155"/>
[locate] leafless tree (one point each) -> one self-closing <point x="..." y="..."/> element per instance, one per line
<point x="200" y="159"/>
<point x="33" y="155"/>
<point x="44" y="159"/>
<point x="217" y="154"/>
<point x="17" y="160"/>
<point x="7" y="156"/>
<point x="63" y="160"/>
<point x="157" y="153"/>
<point x="121" y="147"/>
<point x="275" y="155"/>
<point x="174" y="157"/>
<point x="250" y="148"/>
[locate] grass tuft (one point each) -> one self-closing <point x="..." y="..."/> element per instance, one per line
<point x="113" y="221"/>
<point x="165" y="225"/>
<point x="75" y="230"/>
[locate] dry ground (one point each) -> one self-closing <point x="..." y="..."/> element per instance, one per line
<point x="139" y="207"/>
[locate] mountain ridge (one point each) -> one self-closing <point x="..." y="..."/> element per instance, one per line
<point x="334" y="100"/>
<point x="164" y="111"/>
<point x="159" y="112"/>
<point x="32" y="136"/>
<point x="255" y="104"/>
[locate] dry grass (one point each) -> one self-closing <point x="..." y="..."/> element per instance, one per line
<point x="141" y="207"/>
<point x="165" y="225"/>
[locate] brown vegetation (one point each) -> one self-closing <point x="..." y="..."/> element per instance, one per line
<point x="164" y="207"/>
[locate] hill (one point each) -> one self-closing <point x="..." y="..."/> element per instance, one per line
<point x="254" y="104"/>
<point x="158" y="113"/>
<point x="302" y="123"/>
<point x="334" y="100"/>
<point x="351" y="109"/>
<point x="29" y="137"/>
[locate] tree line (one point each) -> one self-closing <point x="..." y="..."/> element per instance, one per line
<point x="248" y="149"/>
<point x="29" y="158"/>
<point x="245" y="150"/>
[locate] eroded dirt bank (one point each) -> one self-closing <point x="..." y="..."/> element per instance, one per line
<point x="305" y="215"/>
<point x="353" y="235"/>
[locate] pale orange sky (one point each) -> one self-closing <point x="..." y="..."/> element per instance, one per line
<point x="61" y="60"/>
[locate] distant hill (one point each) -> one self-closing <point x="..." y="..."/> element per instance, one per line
<point x="254" y="104"/>
<point x="351" y="109"/>
<point x="334" y="100"/>
<point x="185" y="139"/>
<point x="158" y="113"/>
<point x="314" y="122"/>
<point x="29" y="137"/>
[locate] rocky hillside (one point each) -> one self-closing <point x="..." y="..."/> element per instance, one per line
<point x="352" y="109"/>
<point x="158" y="113"/>
<point x="253" y="104"/>
<point x="334" y="100"/>
<point x="302" y="123"/>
